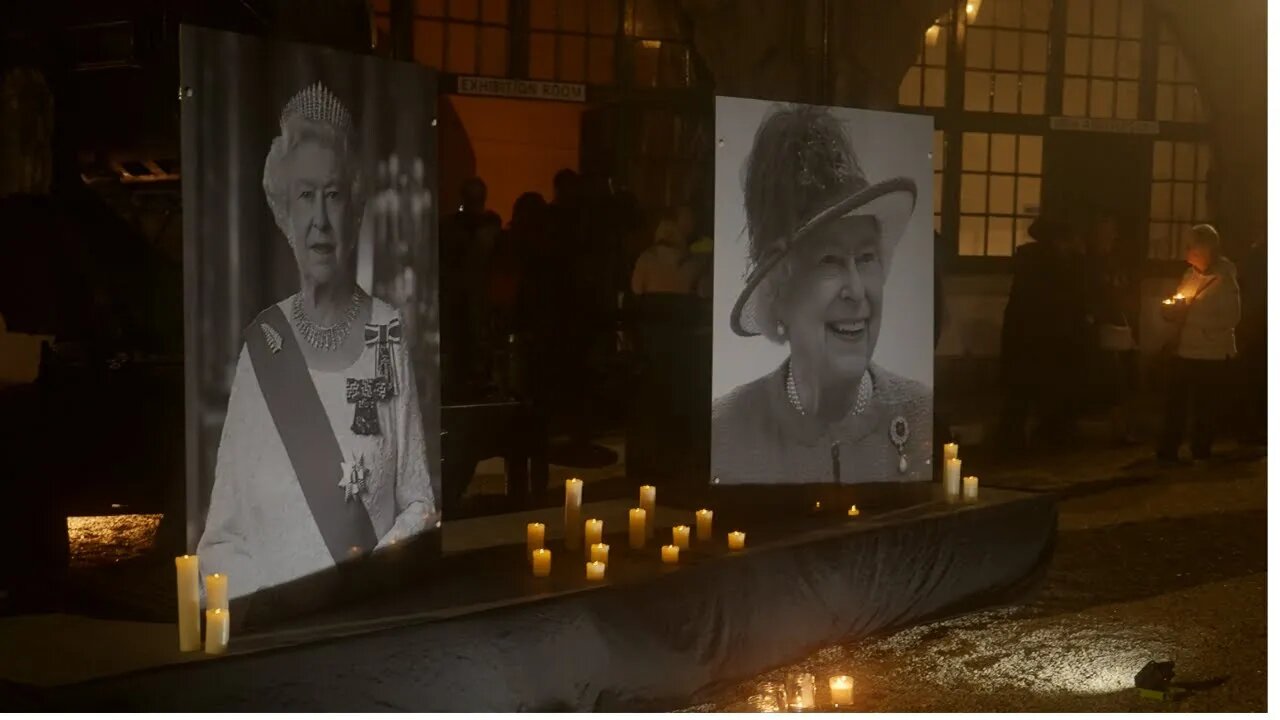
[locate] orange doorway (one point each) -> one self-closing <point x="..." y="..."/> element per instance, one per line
<point x="515" y="146"/>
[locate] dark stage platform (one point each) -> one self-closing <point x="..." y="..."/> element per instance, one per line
<point x="483" y="635"/>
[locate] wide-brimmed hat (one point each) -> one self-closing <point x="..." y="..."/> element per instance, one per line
<point x="802" y="173"/>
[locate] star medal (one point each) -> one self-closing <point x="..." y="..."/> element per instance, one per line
<point x="355" y="477"/>
<point x="899" y="431"/>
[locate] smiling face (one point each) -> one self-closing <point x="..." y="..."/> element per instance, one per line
<point x="319" y="214"/>
<point x="831" y="303"/>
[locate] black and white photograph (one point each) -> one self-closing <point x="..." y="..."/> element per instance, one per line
<point x="312" y="350"/>
<point x="823" y="307"/>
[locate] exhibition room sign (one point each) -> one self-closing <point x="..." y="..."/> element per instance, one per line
<point x="1106" y="125"/>
<point x="506" y="87"/>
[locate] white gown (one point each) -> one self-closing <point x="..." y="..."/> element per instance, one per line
<point x="259" y="530"/>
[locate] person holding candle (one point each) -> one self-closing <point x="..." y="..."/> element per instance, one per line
<point x="322" y="456"/>
<point x="1201" y="341"/>
<point x="821" y="245"/>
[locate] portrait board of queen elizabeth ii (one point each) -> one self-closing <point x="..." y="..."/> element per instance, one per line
<point x="823" y="351"/>
<point x="322" y="455"/>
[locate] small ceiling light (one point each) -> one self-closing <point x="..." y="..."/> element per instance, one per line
<point x="972" y="8"/>
<point x="931" y="35"/>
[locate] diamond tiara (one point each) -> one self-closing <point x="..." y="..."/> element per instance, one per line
<point x="318" y="104"/>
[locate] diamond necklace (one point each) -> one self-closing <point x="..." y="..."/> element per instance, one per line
<point x="326" y="338"/>
<point x="859" y="405"/>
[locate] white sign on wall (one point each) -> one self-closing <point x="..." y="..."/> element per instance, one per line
<point x="538" y="89"/>
<point x="1106" y="125"/>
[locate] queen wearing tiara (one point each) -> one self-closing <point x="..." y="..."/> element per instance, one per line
<point x="821" y="241"/>
<point x="322" y="456"/>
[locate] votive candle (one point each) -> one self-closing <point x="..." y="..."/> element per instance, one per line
<point x="595" y="570"/>
<point x="841" y="689"/>
<point x="950" y="451"/>
<point x="215" y="592"/>
<point x="600" y="553"/>
<point x="680" y="536"/>
<point x="670" y="554"/>
<point x="217" y="630"/>
<point x="971" y="487"/>
<point x="951" y="478"/>
<point x="593" y="532"/>
<point x="541" y="562"/>
<point x="572" y="513"/>
<point x="737" y="540"/>
<point x="635" y="527"/>
<point x="188" y="574"/>
<point x="649" y="503"/>
<point x="535" y="536"/>
<point x="853" y="511"/>
<point x="704" y="518"/>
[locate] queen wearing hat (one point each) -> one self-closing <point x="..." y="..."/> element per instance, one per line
<point x="322" y="456"/>
<point x="821" y="242"/>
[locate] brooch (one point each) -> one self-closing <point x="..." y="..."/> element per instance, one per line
<point x="381" y="338"/>
<point x="355" y="477"/>
<point x="899" y="431"/>
<point x="365" y="394"/>
<point x="274" y="341"/>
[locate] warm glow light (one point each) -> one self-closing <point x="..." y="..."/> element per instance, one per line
<point x="853" y="511"/>
<point x="108" y="539"/>
<point x="971" y="9"/>
<point x="931" y="35"/>
<point x="841" y="689"/>
<point x="651" y="44"/>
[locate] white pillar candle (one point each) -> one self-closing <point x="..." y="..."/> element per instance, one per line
<point x="853" y="511"/>
<point x="600" y="553"/>
<point x="704" y="518"/>
<point x="971" y="487"/>
<point x="217" y="630"/>
<point x="950" y="451"/>
<point x="535" y="537"/>
<point x="572" y="513"/>
<point x="593" y="532"/>
<point x="841" y="690"/>
<point x="595" y="571"/>
<point x="670" y="554"/>
<point x="188" y="572"/>
<point x="951" y="478"/>
<point x="737" y="540"/>
<point x="541" y="562"/>
<point x="215" y="592"/>
<point x="649" y="503"/>
<point x="635" y="527"/>
<point x="680" y="536"/>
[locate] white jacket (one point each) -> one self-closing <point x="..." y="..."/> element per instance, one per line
<point x="1210" y="329"/>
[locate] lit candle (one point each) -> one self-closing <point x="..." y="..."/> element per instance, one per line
<point x="670" y="554"/>
<point x="817" y="505"/>
<point x="800" y="691"/>
<point x="541" y="562"/>
<point x="950" y="451"/>
<point x="572" y="513"/>
<point x="600" y="553"/>
<point x="595" y="570"/>
<point x="535" y="536"/>
<point x="635" y="528"/>
<point x="951" y="478"/>
<point x="593" y="530"/>
<point x="853" y="511"/>
<point x="841" y="690"/>
<point x="649" y="503"/>
<point x="704" y="518"/>
<point x="737" y="540"/>
<point x="217" y="630"/>
<point x="971" y="487"/>
<point x="680" y="536"/>
<point x="188" y="567"/>
<point x="215" y="592"/>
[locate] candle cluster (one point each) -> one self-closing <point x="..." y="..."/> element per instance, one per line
<point x="217" y="614"/>
<point x="957" y="487"/>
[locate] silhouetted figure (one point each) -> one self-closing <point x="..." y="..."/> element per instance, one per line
<point x="466" y="242"/>
<point x="1112" y="308"/>
<point x="1201" y="341"/>
<point x="1043" y="336"/>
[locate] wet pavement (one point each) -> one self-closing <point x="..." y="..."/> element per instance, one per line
<point x="1152" y="563"/>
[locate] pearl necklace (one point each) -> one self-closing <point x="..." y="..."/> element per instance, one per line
<point x="328" y="338"/>
<point x="859" y="405"/>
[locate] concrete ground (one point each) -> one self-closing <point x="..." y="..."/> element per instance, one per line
<point x="1152" y="563"/>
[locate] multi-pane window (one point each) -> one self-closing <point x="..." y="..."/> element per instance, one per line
<point x="573" y="40"/>
<point x="1177" y="98"/>
<point x="999" y="191"/>
<point x="660" y="56"/>
<point x="1006" y="56"/>
<point x="939" y="165"/>
<point x="1179" y="195"/>
<point x="925" y="84"/>
<point x="469" y="37"/>
<point x="1103" y="58"/>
